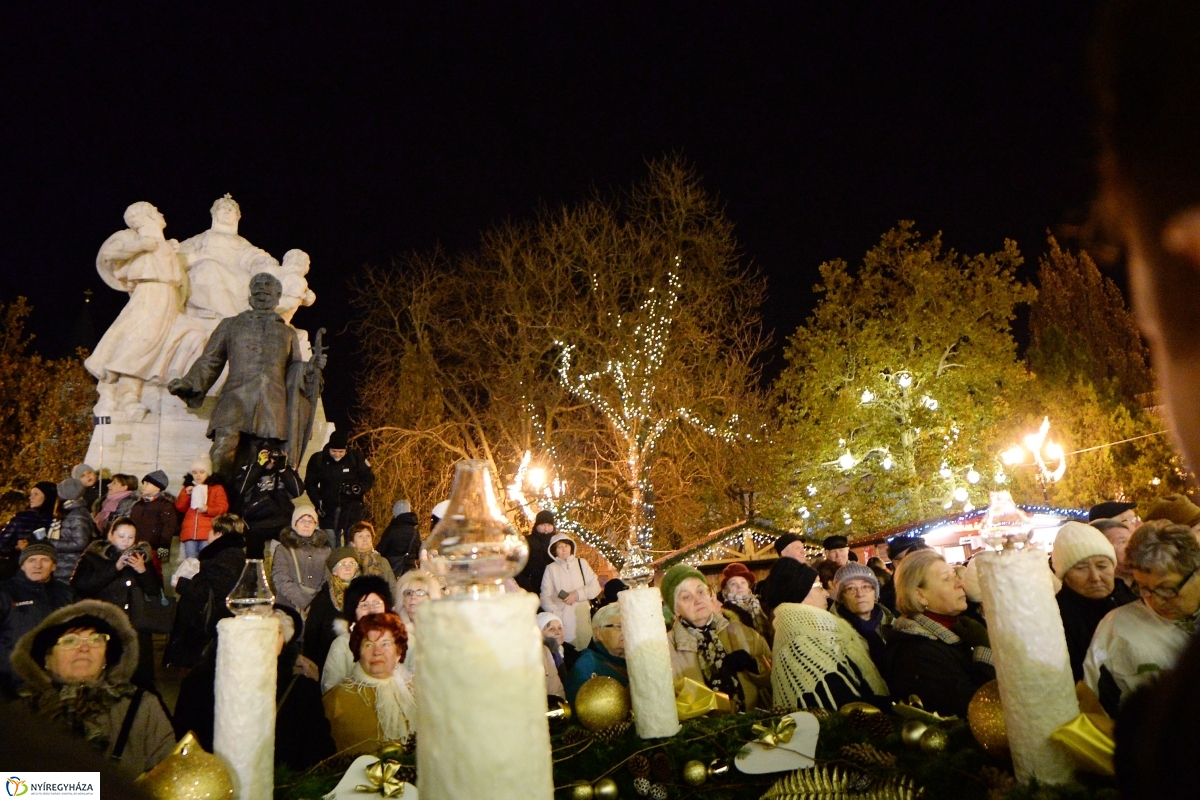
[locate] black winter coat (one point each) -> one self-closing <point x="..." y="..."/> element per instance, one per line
<point x="264" y="499"/>
<point x="75" y="534"/>
<point x="97" y="576"/>
<point x="1080" y="616"/>
<point x="22" y="526"/>
<point x="318" y="627"/>
<point x="944" y="676"/>
<point x="202" y="600"/>
<point x="400" y="543"/>
<point x="302" y="736"/>
<point x="156" y="520"/>
<point x="334" y="485"/>
<point x="23" y="606"/>
<point x="530" y="578"/>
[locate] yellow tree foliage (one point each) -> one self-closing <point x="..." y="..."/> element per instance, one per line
<point x="45" y="406"/>
<point x="465" y="359"/>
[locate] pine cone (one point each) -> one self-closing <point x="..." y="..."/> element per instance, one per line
<point x="614" y="731"/>
<point x="880" y="726"/>
<point x="410" y="744"/>
<point x="576" y="736"/>
<point x="642" y="786"/>
<point x="868" y="754"/>
<point x="779" y="711"/>
<point x="658" y="792"/>
<point x="999" y="781"/>
<point x="639" y="766"/>
<point x="660" y="768"/>
<point x="407" y="774"/>
<point x="820" y="713"/>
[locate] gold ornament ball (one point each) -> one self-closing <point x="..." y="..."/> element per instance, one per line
<point x="582" y="791"/>
<point x="985" y="713"/>
<point x="601" y="703"/>
<point x="606" y="789"/>
<point x="695" y="773"/>
<point x="188" y="773"/>
<point x="912" y="732"/>
<point x="934" y="740"/>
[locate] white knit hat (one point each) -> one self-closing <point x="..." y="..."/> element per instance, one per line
<point x="545" y="618"/>
<point x="1075" y="542"/>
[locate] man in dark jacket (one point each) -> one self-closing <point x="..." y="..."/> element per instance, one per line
<point x="530" y="578"/>
<point x="337" y="480"/>
<point x="263" y="492"/>
<point x="400" y="543"/>
<point x="202" y="594"/>
<point x="26" y="599"/>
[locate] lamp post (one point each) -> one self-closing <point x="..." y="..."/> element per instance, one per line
<point x="1048" y="456"/>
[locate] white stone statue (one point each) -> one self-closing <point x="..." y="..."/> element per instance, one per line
<point x="220" y="264"/>
<point x="295" y="288"/>
<point x="152" y="339"/>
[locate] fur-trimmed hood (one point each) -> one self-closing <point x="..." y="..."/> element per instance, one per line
<point x="107" y="550"/>
<point x="289" y="538"/>
<point x="35" y="674"/>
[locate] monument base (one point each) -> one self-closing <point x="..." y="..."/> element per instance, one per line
<point x="170" y="438"/>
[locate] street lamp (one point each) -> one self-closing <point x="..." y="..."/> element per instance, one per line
<point x="1048" y="456"/>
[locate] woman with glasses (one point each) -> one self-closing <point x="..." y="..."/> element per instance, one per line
<point x="414" y="587"/>
<point x="77" y="666"/>
<point x="329" y="604"/>
<point x="856" y="590"/>
<point x="1085" y="561"/>
<point x="373" y="707"/>
<point x="366" y="594"/>
<point x="1135" y="643"/>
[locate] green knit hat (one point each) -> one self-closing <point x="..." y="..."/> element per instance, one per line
<point x="341" y="553"/>
<point x="671" y="580"/>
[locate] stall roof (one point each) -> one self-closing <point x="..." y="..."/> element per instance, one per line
<point x="748" y="540"/>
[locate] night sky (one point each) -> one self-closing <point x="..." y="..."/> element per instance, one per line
<point x="358" y="133"/>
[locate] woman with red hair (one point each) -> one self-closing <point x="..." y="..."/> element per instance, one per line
<point x="373" y="706"/>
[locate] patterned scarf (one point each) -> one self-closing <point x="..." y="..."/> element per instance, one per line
<point x="712" y="662"/>
<point x="83" y="708"/>
<point x="337" y="591"/>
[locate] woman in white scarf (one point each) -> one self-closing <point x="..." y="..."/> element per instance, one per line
<point x="374" y="706"/>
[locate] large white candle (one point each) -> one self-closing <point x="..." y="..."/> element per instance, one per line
<point x="648" y="656"/>
<point x="481" y="700"/>
<point x="244" y="730"/>
<point x="1032" y="665"/>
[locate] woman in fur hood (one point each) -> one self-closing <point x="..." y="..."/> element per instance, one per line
<point x="77" y="666"/>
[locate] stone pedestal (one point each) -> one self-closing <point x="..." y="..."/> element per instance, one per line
<point x="170" y="438"/>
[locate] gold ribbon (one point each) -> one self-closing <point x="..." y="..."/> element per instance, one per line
<point x="915" y="709"/>
<point x="382" y="775"/>
<point x="775" y="733"/>
<point x="1089" y="740"/>
<point x="694" y="699"/>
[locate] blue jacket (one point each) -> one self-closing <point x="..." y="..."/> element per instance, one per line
<point x="595" y="660"/>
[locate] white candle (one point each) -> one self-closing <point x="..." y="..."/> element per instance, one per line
<point x="481" y="701"/>
<point x="1032" y="665"/>
<point x="648" y="656"/>
<point x="244" y="729"/>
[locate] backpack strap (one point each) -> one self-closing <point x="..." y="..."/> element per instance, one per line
<point x="126" y="726"/>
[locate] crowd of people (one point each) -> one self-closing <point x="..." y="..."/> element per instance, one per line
<point x="93" y="582"/>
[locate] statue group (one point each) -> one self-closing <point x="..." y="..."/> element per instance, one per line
<point x="212" y="303"/>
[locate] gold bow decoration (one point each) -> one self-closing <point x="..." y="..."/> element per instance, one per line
<point x="694" y="699"/>
<point x="775" y="732"/>
<point x="1088" y="739"/>
<point x="384" y="779"/>
<point x="915" y="709"/>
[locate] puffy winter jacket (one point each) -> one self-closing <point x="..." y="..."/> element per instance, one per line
<point x="298" y="567"/>
<point x="74" y="535"/>
<point x="572" y="575"/>
<point x="198" y="525"/>
<point x="202" y="600"/>
<point x="97" y="577"/>
<point x="156" y="520"/>
<point x="400" y="543"/>
<point x="23" y="605"/>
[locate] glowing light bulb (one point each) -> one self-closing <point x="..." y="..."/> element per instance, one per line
<point x="960" y="494"/>
<point x="968" y="506"/>
<point x="867" y="396"/>
<point x="1013" y="455"/>
<point x="536" y="477"/>
<point x="905" y="380"/>
<point x="1053" y="451"/>
<point x="930" y="403"/>
<point x="846" y="461"/>
<point x="804" y="512"/>
<point x="887" y="462"/>
<point x="1000" y="478"/>
<point x="812" y="490"/>
<point x="972" y="476"/>
<point x="945" y="472"/>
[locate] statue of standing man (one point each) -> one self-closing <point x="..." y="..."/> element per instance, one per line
<point x="152" y="339"/>
<point x="265" y="367"/>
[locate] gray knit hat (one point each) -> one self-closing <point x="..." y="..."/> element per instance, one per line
<point x="38" y="549"/>
<point x="401" y="507"/>
<point x="77" y="472"/>
<point x="854" y="571"/>
<point x="70" y="489"/>
<point x="158" y="478"/>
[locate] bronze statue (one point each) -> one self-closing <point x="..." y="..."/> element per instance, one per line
<point x="266" y="371"/>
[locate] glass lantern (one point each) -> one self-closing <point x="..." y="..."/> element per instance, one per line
<point x="637" y="570"/>
<point x="1005" y="526"/>
<point x="474" y="549"/>
<point x="252" y="596"/>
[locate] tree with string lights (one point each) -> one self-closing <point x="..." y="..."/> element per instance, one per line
<point x="589" y="354"/>
<point x="898" y="390"/>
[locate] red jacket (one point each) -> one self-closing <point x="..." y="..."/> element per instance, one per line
<point x="196" y="525"/>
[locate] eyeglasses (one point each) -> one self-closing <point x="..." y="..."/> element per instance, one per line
<point x="613" y="625"/>
<point x="73" y="641"/>
<point x="371" y="604"/>
<point x="859" y="589"/>
<point x="1166" y="594"/>
<point x="416" y="593"/>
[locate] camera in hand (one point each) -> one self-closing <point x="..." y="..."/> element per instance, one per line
<point x="352" y="489"/>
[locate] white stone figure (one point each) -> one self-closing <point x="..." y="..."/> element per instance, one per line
<point x="295" y="288"/>
<point x="151" y="340"/>
<point x="220" y="264"/>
